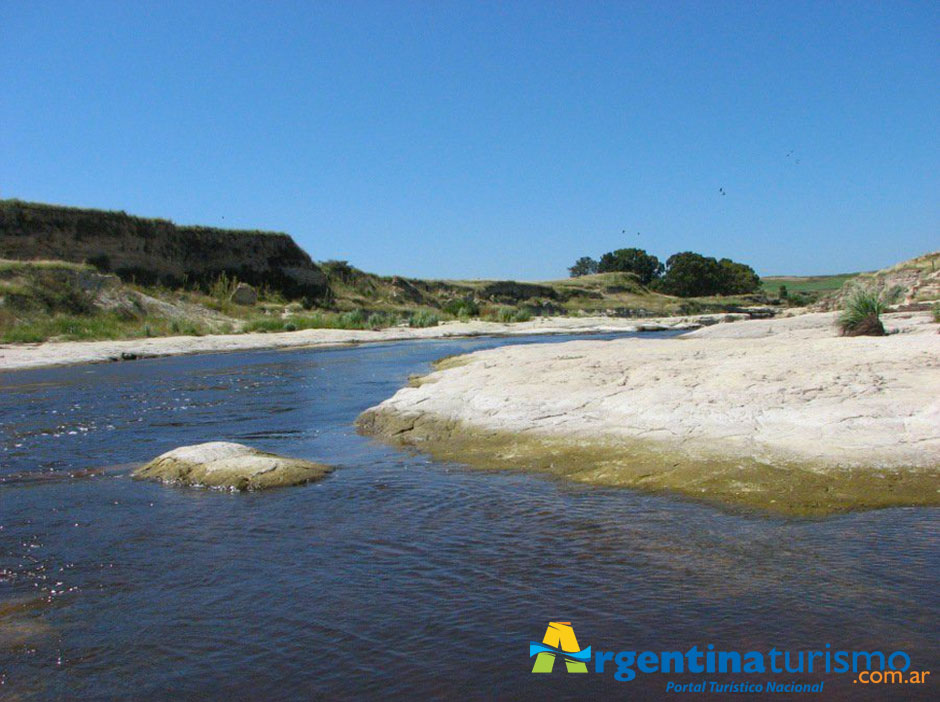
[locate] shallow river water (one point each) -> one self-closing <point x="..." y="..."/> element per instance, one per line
<point x="396" y="576"/>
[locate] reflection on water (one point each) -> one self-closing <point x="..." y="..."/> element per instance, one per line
<point x="395" y="576"/>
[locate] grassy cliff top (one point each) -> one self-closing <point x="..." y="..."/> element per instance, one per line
<point x="41" y="212"/>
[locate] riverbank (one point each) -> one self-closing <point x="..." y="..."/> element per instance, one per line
<point x="778" y="414"/>
<point x="22" y="356"/>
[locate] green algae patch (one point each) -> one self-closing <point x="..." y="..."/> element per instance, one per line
<point x="416" y="380"/>
<point x="789" y="488"/>
<point x="453" y="361"/>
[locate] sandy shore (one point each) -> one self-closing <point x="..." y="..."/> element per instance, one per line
<point x="20" y="356"/>
<point x="777" y="413"/>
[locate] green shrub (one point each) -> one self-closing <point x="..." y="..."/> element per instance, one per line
<point x="802" y="298"/>
<point x="352" y="320"/>
<point x="461" y="307"/>
<point x="861" y="313"/>
<point x="423" y="318"/>
<point x="936" y="311"/>
<point x="505" y="314"/>
<point x="382" y="320"/>
<point x="43" y="291"/>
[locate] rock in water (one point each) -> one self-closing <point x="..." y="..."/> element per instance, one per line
<point x="244" y="294"/>
<point x="220" y="464"/>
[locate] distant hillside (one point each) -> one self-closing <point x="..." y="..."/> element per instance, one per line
<point x="156" y="251"/>
<point x="69" y="273"/>
<point x="912" y="282"/>
<point x="616" y="294"/>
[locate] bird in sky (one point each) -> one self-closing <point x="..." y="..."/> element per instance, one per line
<point x="722" y="191"/>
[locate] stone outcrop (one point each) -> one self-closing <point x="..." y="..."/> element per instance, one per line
<point x="244" y="294"/>
<point x="780" y="414"/>
<point x="220" y="464"/>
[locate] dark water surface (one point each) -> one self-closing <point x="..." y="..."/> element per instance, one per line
<point x="396" y="576"/>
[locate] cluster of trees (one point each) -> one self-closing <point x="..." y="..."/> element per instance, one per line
<point x="685" y="274"/>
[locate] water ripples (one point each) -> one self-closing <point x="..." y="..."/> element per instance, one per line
<point x="405" y="570"/>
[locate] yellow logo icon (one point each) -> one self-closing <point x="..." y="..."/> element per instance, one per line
<point x="559" y="641"/>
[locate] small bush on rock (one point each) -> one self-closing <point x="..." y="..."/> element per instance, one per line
<point x="862" y="314"/>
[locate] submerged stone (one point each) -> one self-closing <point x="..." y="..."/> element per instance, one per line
<point x="221" y="464"/>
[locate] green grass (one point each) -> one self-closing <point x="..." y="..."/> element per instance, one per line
<point x="265" y="324"/>
<point x="805" y="284"/>
<point x="355" y="319"/>
<point x="100" y="326"/>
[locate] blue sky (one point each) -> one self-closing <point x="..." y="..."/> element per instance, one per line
<point x="476" y="139"/>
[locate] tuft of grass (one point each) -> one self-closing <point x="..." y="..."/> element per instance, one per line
<point x="936" y="311"/>
<point x="382" y="320"/>
<point x="423" y="318"/>
<point x="508" y="315"/>
<point x="221" y="293"/>
<point x="862" y="313"/>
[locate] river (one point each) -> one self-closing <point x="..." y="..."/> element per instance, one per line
<point x="396" y="576"/>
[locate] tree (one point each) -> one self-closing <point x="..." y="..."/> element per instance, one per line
<point x="583" y="266"/>
<point x="646" y="266"/>
<point x="689" y="274"/>
<point x="737" y="278"/>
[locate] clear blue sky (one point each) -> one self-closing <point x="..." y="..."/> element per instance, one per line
<point x="476" y="139"/>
